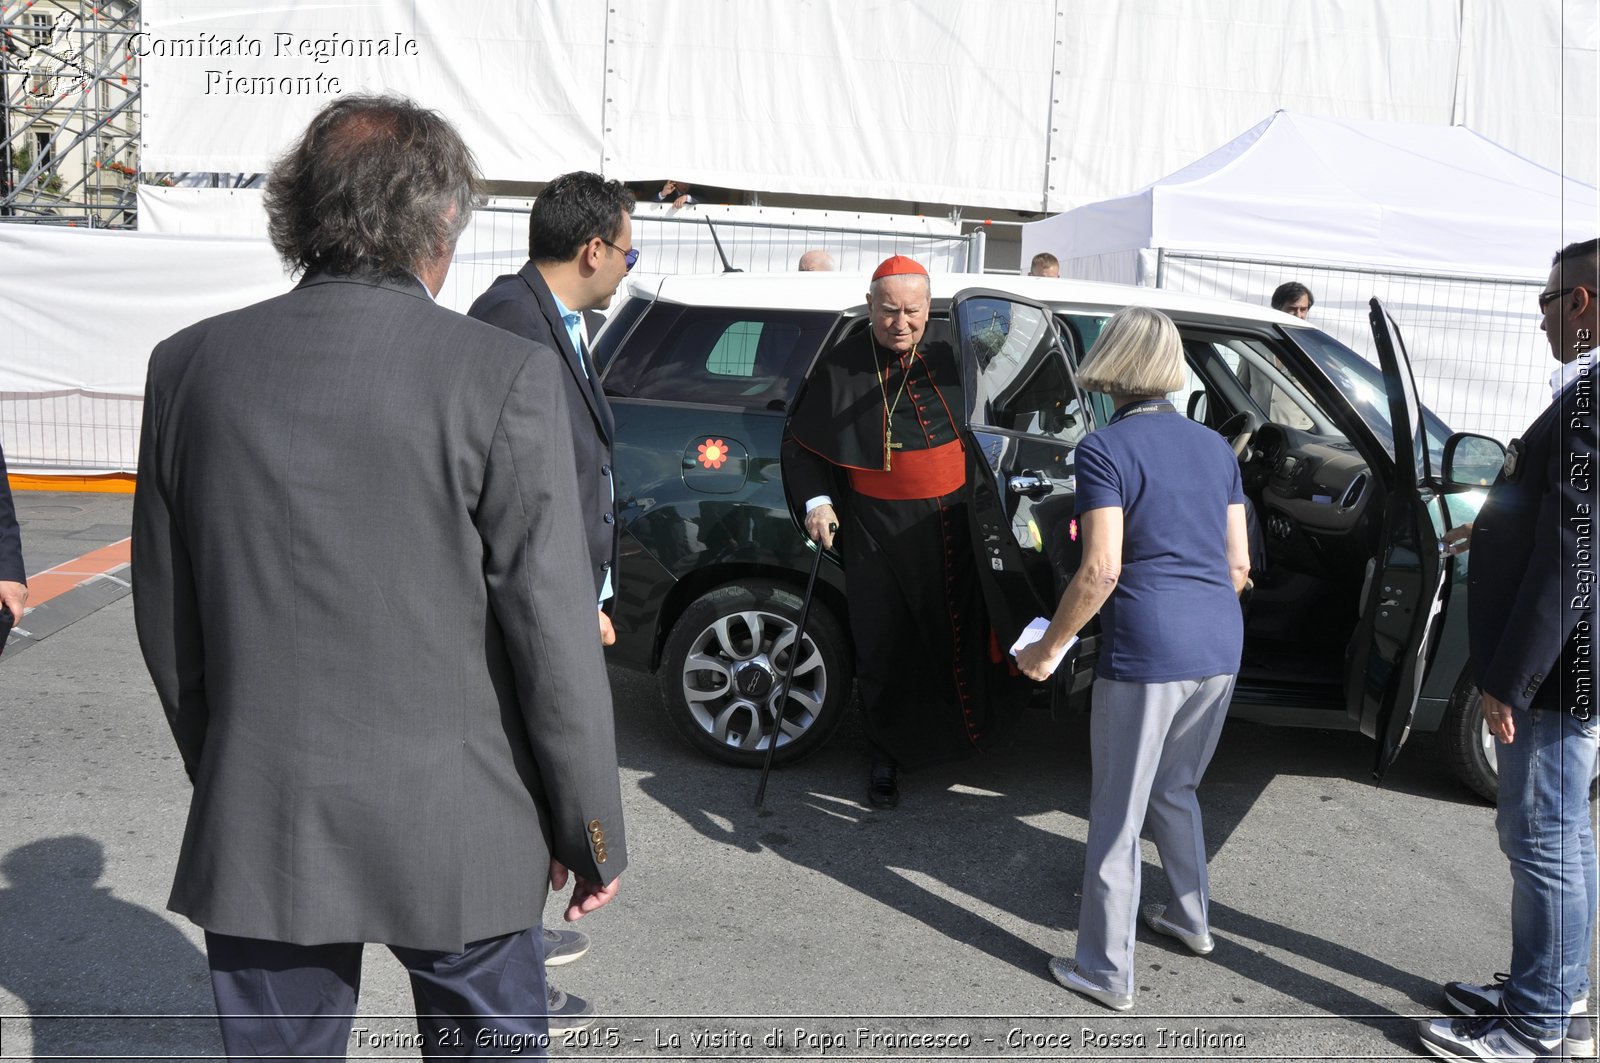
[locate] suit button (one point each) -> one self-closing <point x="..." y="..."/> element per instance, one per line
<point x="599" y="858"/>
<point x="610" y="519"/>
<point x="605" y="566"/>
<point x="594" y="824"/>
<point x="605" y="470"/>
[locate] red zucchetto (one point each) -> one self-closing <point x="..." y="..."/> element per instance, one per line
<point x="898" y="264"/>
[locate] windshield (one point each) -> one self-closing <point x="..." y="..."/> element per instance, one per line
<point x="1361" y="383"/>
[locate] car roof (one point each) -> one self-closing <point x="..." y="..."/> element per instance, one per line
<point x="837" y="292"/>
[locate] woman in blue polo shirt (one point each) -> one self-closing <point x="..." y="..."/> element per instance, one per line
<point x="1162" y="523"/>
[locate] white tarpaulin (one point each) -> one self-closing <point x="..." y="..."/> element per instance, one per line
<point x="775" y="96"/>
<point x="227" y="84"/>
<point x="1437" y="221"/>
<point x="80" y="310"/>
<point x="1531" y="81"/>
<point x="1027" y="104"/>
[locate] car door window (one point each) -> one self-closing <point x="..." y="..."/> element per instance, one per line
<point x="752" y="358"/>
<point x="1023" y="383"/>
<point x="1262" y="375"/>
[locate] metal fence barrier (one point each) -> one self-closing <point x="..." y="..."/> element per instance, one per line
<point x="1480" y="361"/>
<point x="86" y="432"/>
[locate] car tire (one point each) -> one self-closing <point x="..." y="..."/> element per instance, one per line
<point x="1468" y="743"/>
<point x="724" y="665"/>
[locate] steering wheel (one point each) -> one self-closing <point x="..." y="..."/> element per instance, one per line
<point x="1237" y="430"/>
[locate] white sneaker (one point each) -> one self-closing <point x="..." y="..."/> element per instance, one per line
<point x="1469" y="999"/>
<point x="1483" y="1039"/>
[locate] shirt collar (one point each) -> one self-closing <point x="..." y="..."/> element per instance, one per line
<point x="426" y="290"/>
<point x="572" y="319"/>
<point x="1566" y="373"/>
<point x="568" y="317"/>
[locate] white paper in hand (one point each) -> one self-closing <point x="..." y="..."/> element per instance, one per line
<point x="1033" y="633"/>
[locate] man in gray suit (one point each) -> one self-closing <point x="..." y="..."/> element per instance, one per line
<point x="361" y="590"/>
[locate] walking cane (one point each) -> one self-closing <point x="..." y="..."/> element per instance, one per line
<point x="788" y="673"/>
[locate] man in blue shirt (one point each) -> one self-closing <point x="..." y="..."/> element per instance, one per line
<point x="580" y="246"/>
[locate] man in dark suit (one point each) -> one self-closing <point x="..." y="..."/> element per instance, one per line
<point x="13" y="577"/>
<point x="360" y="590"/>
<point x="580" y="246"/>
<point x="1530" y="630"/>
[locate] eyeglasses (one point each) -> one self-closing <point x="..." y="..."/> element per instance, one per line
<point x="1546" y="298"/>
<point x="629" y="257"/>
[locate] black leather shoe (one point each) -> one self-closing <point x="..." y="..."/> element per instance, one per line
<point x="883" y="785"/>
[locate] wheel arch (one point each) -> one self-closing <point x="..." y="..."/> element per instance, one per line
<point x="701" y="581"/>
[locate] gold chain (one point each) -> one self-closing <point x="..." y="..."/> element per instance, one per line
<point x="883" y="389"/>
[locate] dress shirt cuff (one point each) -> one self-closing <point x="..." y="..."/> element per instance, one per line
<point x="820" y="500"/>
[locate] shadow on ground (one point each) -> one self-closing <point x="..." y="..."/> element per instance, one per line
<point x="993" y="831"/>
<point x="119" y="979"/>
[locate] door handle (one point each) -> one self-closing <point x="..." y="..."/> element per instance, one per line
<point x="1030" y="485"/>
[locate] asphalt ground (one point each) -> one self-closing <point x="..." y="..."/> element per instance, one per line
<point x="813" y="929"/>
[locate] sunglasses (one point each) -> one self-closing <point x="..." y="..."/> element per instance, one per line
<point x="1546" y="298"/>
<point x="630" y="256"/>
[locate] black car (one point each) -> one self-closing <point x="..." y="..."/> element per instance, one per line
<point x="1357" y="618"/>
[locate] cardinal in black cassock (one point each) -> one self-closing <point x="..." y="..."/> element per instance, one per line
<point x="873" y="445"/>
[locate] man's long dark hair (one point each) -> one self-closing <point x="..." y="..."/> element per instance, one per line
<point x="376" y="185"/>
<point x="572" y="210"/>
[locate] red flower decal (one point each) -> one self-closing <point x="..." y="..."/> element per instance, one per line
<point x="713" y="452"/>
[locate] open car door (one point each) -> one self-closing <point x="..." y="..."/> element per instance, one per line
<point x="1402" y="602"/>
<point x="1024" y="419"/>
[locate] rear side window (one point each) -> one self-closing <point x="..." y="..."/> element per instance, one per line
<point x="726" y="357"/>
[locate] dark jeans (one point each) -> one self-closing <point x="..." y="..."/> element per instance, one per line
<point x="282" y="1001"/>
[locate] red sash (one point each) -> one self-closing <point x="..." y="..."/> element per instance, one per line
<point x="915" y="474"/>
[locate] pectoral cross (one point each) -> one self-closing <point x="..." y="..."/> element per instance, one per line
<point x="888" y="445"/>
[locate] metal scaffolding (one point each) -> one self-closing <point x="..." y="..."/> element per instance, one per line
<point x="69" y="112"/>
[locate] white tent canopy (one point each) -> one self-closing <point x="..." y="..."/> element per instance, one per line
<point x="1339" y="190"/>
<point x="1451" y="231"/>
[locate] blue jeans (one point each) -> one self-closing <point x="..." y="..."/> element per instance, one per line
<point x="1546" y="832"/>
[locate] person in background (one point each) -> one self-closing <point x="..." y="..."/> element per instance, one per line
<point x="580" y="247"/>
<point x="13" y="576"/>
<point x="816" y="260"/>
<point x="363" y="594"/>
<point x="1044" y="264"/>
<point x="677" y="194"/>
<point x="1530" y="630"/>
<point x="1162" y="525"/>
<point x="1292" y="297"/>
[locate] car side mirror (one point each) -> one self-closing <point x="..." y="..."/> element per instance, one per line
<point x="1471" y="461"/>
